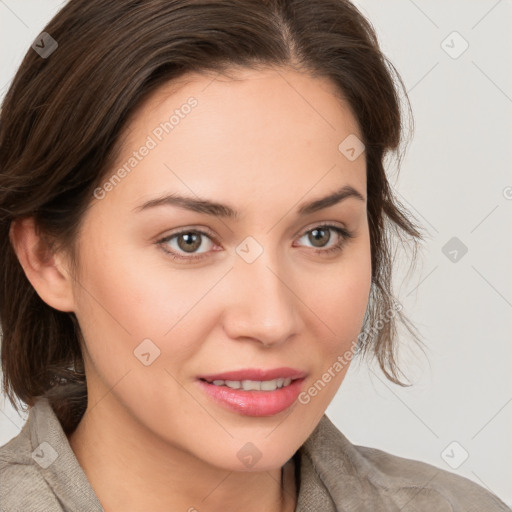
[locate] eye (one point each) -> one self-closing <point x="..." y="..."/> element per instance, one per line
<point x="320" y="236"/>
<point x="185" y="244"/>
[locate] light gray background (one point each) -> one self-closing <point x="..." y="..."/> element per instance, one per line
<point x="456" y="179"/>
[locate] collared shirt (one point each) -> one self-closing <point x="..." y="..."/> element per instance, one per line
<point x="40" y="473"/>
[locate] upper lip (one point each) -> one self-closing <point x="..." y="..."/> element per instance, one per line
<point x="256" y="374"/>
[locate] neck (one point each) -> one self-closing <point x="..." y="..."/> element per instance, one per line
<point x="131" y="469"/>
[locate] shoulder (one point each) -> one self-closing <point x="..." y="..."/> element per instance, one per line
<point x="23" y="487"/>
<point x="427" y="484"/>
<point x="387" y="482"/>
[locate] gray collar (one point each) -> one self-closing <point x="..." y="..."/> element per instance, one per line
<point x="69" y="482"/>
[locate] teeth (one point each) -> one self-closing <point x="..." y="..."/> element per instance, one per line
<point x="269" y="385"/>
<point x="254" y="385"/>
<point x="250" y="385"/>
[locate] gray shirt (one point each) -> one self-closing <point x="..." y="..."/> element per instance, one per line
<point x="40" y="473"/>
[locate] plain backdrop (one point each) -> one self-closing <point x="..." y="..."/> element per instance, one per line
<point x="455" y="58"/>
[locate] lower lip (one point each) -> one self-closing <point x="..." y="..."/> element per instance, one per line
<point x="254" y="403"/>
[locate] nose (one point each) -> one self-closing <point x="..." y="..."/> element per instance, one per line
<point x="261" y="305"/>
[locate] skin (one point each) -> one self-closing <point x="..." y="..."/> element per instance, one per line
<point x="262" y="143"/>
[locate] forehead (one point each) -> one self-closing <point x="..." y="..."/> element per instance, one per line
<point x="242" y="90"/>
<point x="249" y="133"/>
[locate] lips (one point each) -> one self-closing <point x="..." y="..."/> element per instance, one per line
<point x="254" y="402"/>
<point x="255" y="374"/>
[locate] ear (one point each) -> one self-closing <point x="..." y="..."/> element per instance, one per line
<point x="46" y="271"/>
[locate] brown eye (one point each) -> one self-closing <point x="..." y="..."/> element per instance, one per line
<point x="189" y="242"/>
<point x="319" y="236"/>
<point x="185" y="244"/>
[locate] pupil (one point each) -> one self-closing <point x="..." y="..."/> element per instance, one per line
<point x="191" y="241"/>
<point x="316" y="232"/>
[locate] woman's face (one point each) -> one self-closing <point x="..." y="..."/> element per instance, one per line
<point x="258" y="290"/>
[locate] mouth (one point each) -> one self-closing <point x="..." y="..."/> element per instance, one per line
<point x="253" y="385"/>
<point x="254" y="392"/>
<point x="256" y="375"/>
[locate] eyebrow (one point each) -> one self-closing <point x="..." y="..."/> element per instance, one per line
<point x="224" y="211"/>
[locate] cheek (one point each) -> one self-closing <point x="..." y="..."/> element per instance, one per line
<point x="341" y="304"/>
<point x="126" y="311"/>
<point x="339" y="294"/>
<point x="130" y="293"/>
<point x="128" y="299"/>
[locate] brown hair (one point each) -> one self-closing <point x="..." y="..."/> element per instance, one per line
<point x="60" y="127"/>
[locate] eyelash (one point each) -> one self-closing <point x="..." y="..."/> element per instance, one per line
<point x="345" y="235"/>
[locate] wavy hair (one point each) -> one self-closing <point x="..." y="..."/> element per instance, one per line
<point x="60" y="127"/>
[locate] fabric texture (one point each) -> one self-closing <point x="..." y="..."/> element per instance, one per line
<point x="40" y="473"/>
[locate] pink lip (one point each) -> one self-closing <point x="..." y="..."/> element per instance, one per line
<point x="254" y="403"/>
<point x="256" y="374"/>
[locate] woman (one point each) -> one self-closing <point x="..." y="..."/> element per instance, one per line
<point x="195" y="219"/>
